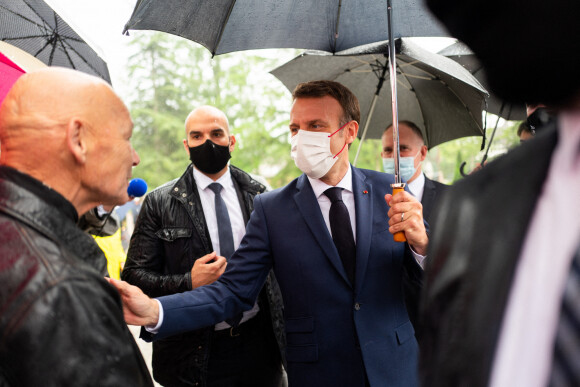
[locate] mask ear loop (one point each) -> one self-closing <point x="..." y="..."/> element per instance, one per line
<point x="333" y="133"/>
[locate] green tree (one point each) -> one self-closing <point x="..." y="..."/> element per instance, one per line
<point x="170" y="76"/>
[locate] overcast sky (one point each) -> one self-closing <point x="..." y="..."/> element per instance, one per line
<point x="100" y="23"/>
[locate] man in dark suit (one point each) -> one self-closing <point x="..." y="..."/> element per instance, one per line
<point x="340" y="272"/>
<point x="412" y="154"/>
<point x="500" y="304"/>
<point x="178" y="222"/>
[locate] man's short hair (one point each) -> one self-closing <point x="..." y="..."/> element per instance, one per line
<point x="323" y="88"/>
<point x="523" y="127"/>
<point x="413" y="127"/>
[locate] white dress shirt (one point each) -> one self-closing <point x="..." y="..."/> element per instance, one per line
<point x="417" y="186"/>
<point x="319" y="187"/>
<point x="230" y="197"/>
<point x="524" y="353"/>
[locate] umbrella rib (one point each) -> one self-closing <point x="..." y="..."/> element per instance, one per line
<point x="66" y="46"/>
<point x="219" y="38"/>
<point x="25" y="18"/>
<point x="337" y="25"/>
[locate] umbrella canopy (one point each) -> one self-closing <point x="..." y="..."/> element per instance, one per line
<point x="460" y="53"/>
<point x="36" y="28"/>
<point x="436" y="93"/>
<point x="329" y="25"/>
<point x="13" y="63"/>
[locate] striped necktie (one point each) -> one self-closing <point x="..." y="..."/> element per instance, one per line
<point x="566" y="359"/>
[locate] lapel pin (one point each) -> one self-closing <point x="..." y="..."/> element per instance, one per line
<point x="365" y="191"/>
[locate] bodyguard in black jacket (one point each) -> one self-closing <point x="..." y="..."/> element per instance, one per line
<point x="170" y="234"/>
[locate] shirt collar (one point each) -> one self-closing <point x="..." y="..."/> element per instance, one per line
<point x="319" y="186"/>
<point x="416" y="186"/>
<point x="203" y="181"/>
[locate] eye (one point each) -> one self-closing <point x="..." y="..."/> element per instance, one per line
<point x="293" y="131"/>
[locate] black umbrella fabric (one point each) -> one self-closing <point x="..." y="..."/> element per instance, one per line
<point x="33" y="26"/>
<point x="460" y="53"/>
<point x="436" y="93"/>
<point x="224" y="26"/>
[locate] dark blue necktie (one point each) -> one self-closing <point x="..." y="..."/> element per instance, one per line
<point x="223" y="220"/>
<point x="342" y="231"/>
<point x="566" y="360"/>
<point x="225" y="235"/>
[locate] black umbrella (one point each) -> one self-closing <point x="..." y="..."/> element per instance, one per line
<point x="460" y="53"/>
<point x="436" y="93"/>
<point x="224" y="26"/>
<point x="329" y="25"/>
<point x="33" y="26"/>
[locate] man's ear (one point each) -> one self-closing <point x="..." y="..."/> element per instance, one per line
<point x="423" y="152"/>
<point x="76" y="140"/>
<point x="186" y="146"/>
<point x="352" y="128"/>
<point x="232" y="143"/>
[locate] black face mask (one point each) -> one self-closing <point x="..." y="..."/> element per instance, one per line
<point x="209" y="157"/>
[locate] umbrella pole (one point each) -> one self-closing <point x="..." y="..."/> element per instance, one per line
<point x="484" y="159"/>
<point x="371" y="111"/>
<point x="398" y="186"/>
<point x="367" y="122"/>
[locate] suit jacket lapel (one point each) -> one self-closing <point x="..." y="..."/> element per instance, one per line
<point x="364" y="222"/>
<point x="428" y="197"/>
<point x="310" y="210"/>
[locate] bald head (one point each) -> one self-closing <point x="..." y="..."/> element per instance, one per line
<point x="208" y="114"/>
<point x="57" y="119"/>
<point x="208" y="123"/>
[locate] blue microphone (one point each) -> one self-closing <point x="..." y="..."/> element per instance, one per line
<point x="137" y="188"/>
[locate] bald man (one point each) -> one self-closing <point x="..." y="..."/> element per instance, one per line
<point x="65" y="148"/>
<point x="173" y="249"/>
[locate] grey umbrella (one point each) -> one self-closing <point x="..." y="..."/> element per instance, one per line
<point x="436" y="93"/>
<point x="460" y="53"/>
<point x="33" y="26"/>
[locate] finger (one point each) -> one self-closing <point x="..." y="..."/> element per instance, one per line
<point x="388" y="198"/>
<point x="207" y="258"/>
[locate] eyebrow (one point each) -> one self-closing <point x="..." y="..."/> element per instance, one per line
<point x="312" y="122"/>
<point x="212" y="131"/>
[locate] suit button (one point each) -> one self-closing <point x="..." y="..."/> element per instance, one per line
<point x="357" y="306"/>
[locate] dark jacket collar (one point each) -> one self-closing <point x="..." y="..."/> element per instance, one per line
<point x="40" y="190"/>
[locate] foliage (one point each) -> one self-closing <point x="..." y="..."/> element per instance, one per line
<point x="170" y="76"/>
<point x="444" y="161"/>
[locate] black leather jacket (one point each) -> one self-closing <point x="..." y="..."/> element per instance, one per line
<point x="170" y="234"/>
<point x="61" y="323"/>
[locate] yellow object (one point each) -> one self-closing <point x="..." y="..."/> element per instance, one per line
<point x="114" y="252"/>
<point x="399" y="236"/>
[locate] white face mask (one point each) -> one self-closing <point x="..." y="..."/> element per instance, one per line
<point x="311" y="153"/>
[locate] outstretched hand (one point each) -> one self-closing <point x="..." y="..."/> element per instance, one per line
<point x="406" y="214"/>
<point x="138" y="309"/>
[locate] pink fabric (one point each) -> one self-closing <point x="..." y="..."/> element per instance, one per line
<point x="9" y="73"/>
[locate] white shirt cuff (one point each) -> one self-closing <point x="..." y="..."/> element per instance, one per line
<point x="418" y="257"/>
<point x="155" y="329"/>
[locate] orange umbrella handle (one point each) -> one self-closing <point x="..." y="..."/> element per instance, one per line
<point x="399" y="236"/>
